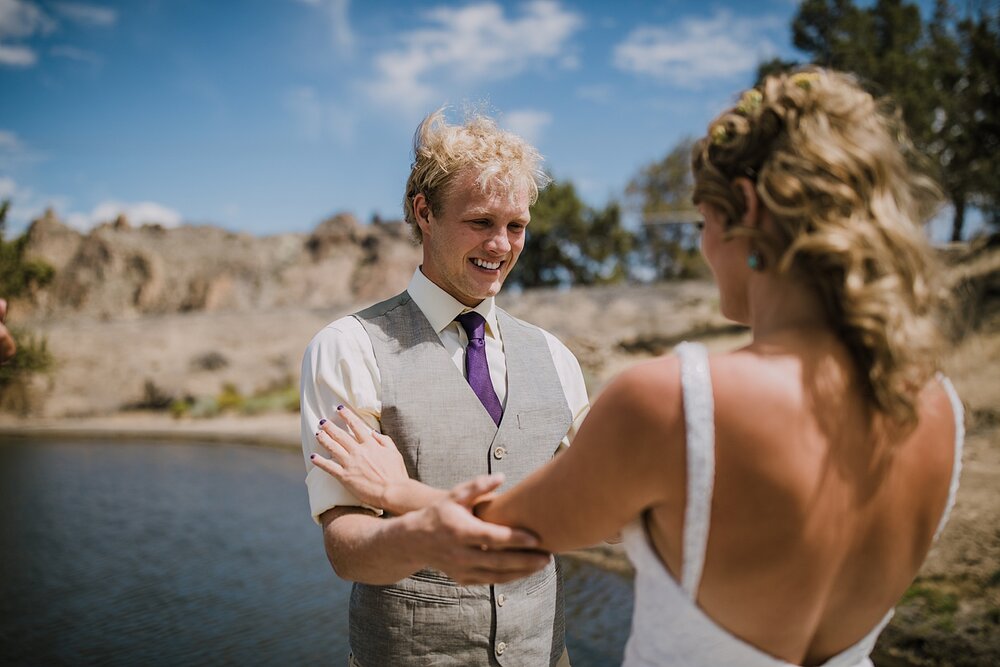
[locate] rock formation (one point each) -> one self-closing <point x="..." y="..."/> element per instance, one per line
<point x="120" y="271"/>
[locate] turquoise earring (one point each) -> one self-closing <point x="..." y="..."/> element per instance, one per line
<point x="755" y="261"/>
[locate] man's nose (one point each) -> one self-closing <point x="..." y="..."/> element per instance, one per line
<point x="499" y="243"/>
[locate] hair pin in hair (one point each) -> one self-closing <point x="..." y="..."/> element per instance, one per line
<point x="804" y="80"/>
<point x="719" y="134"/>
<point x="750" y="102"/>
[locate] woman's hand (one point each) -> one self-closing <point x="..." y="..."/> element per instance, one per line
<point x="366" y="462"/>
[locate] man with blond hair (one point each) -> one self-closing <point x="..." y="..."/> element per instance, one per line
<point x="463" y="389"/>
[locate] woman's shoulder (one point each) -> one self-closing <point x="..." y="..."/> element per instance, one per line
<point x="648" y="390"/>
<point x="940" y="426"/>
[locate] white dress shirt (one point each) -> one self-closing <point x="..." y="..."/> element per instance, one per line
<point x="339" y="368"/>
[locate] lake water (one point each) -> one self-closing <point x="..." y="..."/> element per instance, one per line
<point x="132" y="553"/>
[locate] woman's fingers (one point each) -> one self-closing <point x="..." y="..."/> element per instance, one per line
<point x="329" y="466"/>
<point x="331" y="444"/>
<point x="383" y="439"/>
<point x="357" y="426"/>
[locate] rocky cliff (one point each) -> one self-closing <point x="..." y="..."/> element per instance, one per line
<point x="120" y="271"/>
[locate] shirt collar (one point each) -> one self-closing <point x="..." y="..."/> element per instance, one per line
<point x="441" y="308"/>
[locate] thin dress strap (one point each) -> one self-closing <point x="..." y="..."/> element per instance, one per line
<point x="699" y="419"/>
<point x="956" y="471"/>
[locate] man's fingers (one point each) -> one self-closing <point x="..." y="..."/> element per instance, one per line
<point x="511" y="561"/>
<point x="497" y="538"/>
<point x="467" y="493"/>
<point x="489" y="573"/>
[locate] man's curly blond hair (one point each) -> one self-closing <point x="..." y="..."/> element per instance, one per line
<point x="834" y="168"/>
<point x="502" y="161"/>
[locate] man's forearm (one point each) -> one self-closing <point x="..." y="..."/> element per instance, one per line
<point x="410" y="495"/>
<point x="367" y="549"/>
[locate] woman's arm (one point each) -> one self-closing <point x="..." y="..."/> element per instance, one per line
<point x="627" y="457"/>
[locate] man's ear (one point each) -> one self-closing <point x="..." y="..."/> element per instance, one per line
<point x="751" y="212"/>
<point x="422" y="212"/>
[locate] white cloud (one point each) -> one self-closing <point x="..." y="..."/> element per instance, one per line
<point x="318" y="119"/>
<point x="17" y="56"/>
<point x="87" y="14"/>
<point x="73" y="53"/>
<point x="25" y="204"/>
<point x="8" y="188"/>
<point x="19" y="19"/>
<point x="470" y="44"/>
<point x="527" y="123"/>
<point x="597" y="92"/>
<point x="14" y="152"/>
<point x="695" y="50"/>
<point x="337" y="12"/>
<point x="137" y="213"/>
<point x="9" y="142"/>
<point x="22" y="20"/>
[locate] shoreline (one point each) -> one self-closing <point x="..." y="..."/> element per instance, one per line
<point x="280" y="431"/>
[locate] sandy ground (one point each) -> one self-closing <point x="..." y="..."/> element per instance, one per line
<point x="951" y="616"/>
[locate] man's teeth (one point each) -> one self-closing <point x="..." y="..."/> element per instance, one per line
<point x="486" y="265"/>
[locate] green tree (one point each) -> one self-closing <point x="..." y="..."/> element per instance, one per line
<point x="942" y="73"/>
<point x="570" y="243"/>
<point x="19" y="275"/>
<point x="661" y="194"/>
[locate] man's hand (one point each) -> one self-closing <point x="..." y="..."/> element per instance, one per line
<point x="366" y="462"/>
<point x="7" y="345"/>
<point x="449" y="538"/>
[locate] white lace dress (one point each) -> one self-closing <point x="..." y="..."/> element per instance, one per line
<point x="668" y="627"/>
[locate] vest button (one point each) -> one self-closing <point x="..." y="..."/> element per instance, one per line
<point x="501" y="599"/>
<point x="501" y="647"/>
<point x="499" y="453"/>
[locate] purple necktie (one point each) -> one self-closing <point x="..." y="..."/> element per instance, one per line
<point x="477" y="371"/>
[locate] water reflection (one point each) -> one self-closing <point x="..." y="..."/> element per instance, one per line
<point x="141" y="553"/>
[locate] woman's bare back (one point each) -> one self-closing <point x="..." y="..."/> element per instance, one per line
<point x="821" y="514"/>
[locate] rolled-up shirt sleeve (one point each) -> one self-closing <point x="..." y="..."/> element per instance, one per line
<point x="338" y="368"/>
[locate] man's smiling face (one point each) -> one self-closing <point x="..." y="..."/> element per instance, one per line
<point x="475" y="241"/>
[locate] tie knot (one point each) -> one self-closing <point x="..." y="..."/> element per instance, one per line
<point x="474" y="324"/>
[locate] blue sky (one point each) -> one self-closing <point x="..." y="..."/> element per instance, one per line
<point x="267" y="116"/>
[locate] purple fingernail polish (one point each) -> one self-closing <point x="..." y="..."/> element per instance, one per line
<point x="340" y="407"/>
<point x="322" y="421"/>
<point x="312" y="456"/>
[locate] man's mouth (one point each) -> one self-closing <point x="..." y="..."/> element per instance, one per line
<point x="488" y="266"/>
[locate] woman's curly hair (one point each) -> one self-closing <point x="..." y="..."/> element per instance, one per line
<point x="848" y="198"/>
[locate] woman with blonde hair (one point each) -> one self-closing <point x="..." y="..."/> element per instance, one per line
<point x="777" y="499"/>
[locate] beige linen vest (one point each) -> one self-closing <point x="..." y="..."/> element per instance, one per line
<point x="446" y="436"/>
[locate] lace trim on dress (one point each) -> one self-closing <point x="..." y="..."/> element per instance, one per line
<point x="699" y="418"/>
